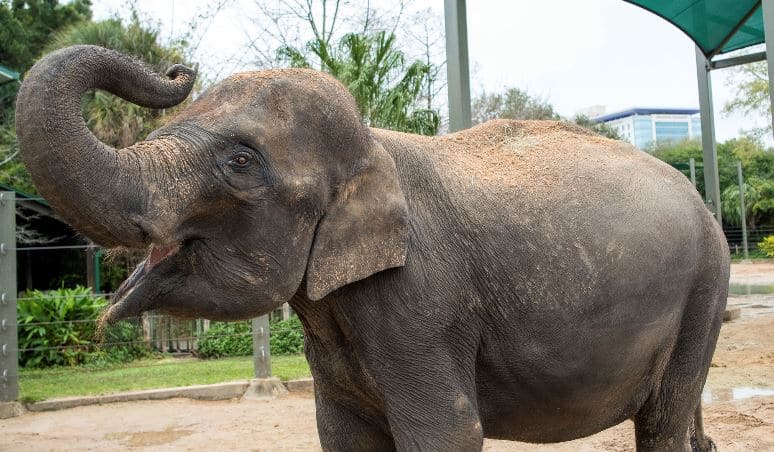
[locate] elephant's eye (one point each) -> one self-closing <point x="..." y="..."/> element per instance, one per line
<point x="241" y="160"/>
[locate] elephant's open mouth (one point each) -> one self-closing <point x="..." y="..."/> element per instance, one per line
<point x="125" y="303"/>
<point x="159" y="253"/>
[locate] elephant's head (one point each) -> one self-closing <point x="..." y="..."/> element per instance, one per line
<point x="267" y="180"/>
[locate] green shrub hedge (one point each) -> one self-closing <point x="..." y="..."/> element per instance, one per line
<point x="58" y="328"/>
<point x="225" y="339"/>
<point x="286" y="337"/>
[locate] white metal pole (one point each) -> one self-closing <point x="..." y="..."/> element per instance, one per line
<point x="711" y="185"/>
<point x="768" y="27"/>
<point x="9" y="364"/>
<point x="458" y="75"/>
<point x="742" y="209"/>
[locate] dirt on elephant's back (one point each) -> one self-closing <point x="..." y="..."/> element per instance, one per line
<point x="537" y="156"/>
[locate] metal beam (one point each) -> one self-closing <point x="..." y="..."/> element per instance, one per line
<point x="736" y="61"/>
<point x="739" y="26"/>
<point x="711" y="185"/>
<point x="261" y="356"/>
<point x="457" y="73"/>
<point x="742" y="209"/>
<point x="768" y="28"/>
<point x="9" y="365"/>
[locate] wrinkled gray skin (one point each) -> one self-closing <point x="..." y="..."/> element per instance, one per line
<point x="520" y="280"/>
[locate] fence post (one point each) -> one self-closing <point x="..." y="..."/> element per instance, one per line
<point x="692" y="165"/>
<point x="261" y="356"/>
<point x="90" y="269"/>
<point x="97" y="270"/>
<point x="742" y="210"/>
<point x="93" y="277"/>
<point x="263" y="385"/>
<point x="285" y="311"/>
<point x="9" y="364"/>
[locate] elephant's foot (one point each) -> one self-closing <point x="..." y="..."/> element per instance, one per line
<point x="706" y="445"/>
<point x="699" y="441"/>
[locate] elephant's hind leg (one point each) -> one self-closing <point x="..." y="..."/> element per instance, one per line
<point x="662" y="423"/>
<point x="699" y="441"/>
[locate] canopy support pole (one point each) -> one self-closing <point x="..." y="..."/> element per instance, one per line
<point x="711" y="186"/>
<point x="457" y="73"/>
<point x="768" y="30"/>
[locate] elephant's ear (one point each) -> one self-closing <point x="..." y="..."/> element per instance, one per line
<point x="364" y="231"/>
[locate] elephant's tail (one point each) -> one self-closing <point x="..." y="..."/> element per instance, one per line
<point x="699" y="441"/>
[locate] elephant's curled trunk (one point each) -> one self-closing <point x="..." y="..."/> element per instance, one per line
<point x="94" y="187"/>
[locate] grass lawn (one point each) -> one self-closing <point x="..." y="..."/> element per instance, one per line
<point x="149" y="374"/>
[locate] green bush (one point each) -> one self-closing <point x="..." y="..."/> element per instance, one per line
<point x="58" y="328"/>
<point x="226" y="339"/>
<point x="767" y="246"/>
<point x="286" y="337"/>
<point x="119" y="343"/>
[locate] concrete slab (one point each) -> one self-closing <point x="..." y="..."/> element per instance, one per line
<point x="300" y="385"/>
<point x="221" y="391"/>
<point x="10" y="409"/>
<point x="264" y="388"/>
<point x="260" y="388"/>
<point x="732" y="314"/>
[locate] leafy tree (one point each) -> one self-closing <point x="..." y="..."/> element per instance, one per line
<point x="27" y="25"/>
<point x="757" y="167"/>
<point x="114" y="120"/>
<point x="293" y="23"/>
<point x="12" y="170"/>
<point x="758" y="170"/>
<point x="514" y="103"/>
<point x="386" y="89"/>
<point x="598" y="127"/>
<point x="25" y="28"/>
<point x="752" y="93"/>
<point x="680" y="153"/>
<point x="758" y="199"/>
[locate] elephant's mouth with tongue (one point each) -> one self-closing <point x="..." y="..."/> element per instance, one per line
<point x="158" y="254"/>
<point x="120" y="308"/>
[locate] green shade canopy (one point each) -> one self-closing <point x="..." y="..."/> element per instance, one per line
<point x="6" y="75"/>
<point x="716" y="26"/>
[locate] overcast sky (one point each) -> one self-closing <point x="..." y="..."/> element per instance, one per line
<point x="573" y="53"/>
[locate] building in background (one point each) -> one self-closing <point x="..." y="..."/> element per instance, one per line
<point x="647" y="127"/>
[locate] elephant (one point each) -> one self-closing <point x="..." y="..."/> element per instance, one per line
<point x="521" y="280"/>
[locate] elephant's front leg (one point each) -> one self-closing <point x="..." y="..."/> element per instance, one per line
<point x="432" y="418"/>
<point x="344" y="429"/>
<point x="428" y="396"/>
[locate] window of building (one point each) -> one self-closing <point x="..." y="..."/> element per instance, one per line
<point x="671" y="130"/>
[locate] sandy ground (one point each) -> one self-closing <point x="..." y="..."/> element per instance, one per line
<point x="739" y="406"/>
<point x="756" y="273"/>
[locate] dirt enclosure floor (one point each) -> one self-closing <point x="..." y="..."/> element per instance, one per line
<point x="738" y="410"/>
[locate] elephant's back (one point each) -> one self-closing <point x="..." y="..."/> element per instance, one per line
<point x="549" y="159"/>
<point x="561" y="203"/>
<point x="544" y="166"/>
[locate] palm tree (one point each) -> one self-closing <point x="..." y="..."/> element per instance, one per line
<point x="113" y="120"/>
<point x="387" y="91"/>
